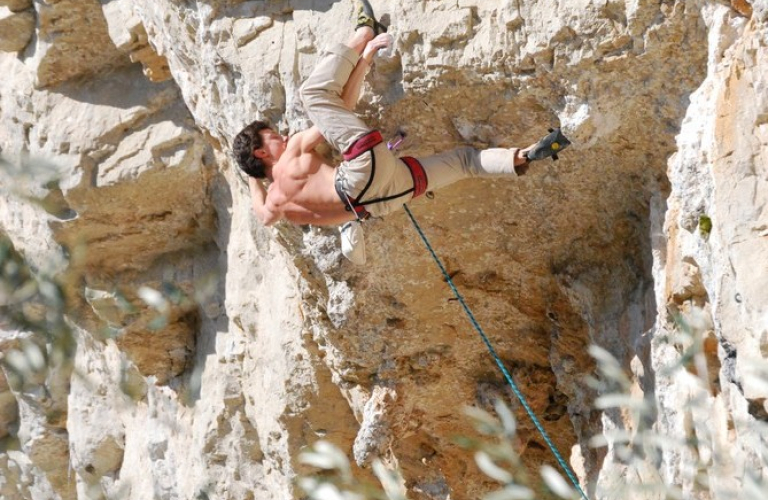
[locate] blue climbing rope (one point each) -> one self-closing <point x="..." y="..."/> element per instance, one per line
<point x="496" y="358"/>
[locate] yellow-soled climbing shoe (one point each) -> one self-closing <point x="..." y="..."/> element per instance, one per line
<point x="549" y="146"/>
<point x="366" y="17"/>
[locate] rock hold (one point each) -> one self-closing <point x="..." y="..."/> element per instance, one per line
<point x="375" y="431"/>
<point x="16" y="29"/>
<point x="16" y="5"/>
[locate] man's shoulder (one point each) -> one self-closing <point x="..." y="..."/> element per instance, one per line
<point x="295" y="163"/>
<point x="297" y="137"/>
<point x="293" y="154"/>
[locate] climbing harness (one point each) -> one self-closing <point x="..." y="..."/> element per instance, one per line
<point x="496" y="358"/>
<point x="364" y="144"/>
<point x="418" y="174"/>
<point x="351" y="204"/>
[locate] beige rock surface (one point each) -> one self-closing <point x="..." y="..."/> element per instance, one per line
<point x="17" y="28"/>
<point x="128" y="34"/>
<point x="211" y="350"/>
<point x="715" y="258"/>
<point x="72" y="41"/>
<point x="16" y="5"/>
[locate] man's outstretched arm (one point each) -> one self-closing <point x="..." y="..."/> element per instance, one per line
<point x="262" y="205"/>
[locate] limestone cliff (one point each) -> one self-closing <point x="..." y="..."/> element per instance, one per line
<point x="210" y="350"/>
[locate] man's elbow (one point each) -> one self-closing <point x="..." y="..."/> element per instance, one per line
<point x="270" y="219"/>
<point x="266" y="217"/>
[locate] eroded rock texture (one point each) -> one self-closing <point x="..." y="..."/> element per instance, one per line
<point x="210" y="350"/>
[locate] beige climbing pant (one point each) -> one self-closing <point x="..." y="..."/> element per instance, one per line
<point x="376" y="178"/>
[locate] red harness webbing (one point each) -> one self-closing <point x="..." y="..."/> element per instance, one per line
<point x="418" y="174"/>
<point x="363" y="144"/>
<point x="360" y="211"/>
<point x="366" y="143"/>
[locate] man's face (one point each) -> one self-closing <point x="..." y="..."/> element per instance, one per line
<point x="273" y="146"/>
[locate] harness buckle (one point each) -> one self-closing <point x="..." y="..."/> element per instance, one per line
<point x="350" y="204"/>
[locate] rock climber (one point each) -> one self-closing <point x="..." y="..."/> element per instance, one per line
<point x="371" y="181"/>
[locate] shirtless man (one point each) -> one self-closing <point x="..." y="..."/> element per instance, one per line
<point x="305" y="189"/>
<point x="302" y="182"/>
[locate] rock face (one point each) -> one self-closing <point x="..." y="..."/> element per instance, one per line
<point x="18" y="28"/>
<point x="209" y="350"/>
<point x="16" y="5"/>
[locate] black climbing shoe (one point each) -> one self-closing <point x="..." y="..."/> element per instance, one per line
<point x="366" y="17"/>
<point x="549" y="146"/>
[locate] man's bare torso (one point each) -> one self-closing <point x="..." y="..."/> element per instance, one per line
<point x="303" y="189"/>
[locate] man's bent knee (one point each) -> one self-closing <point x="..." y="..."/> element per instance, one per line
<point x="307" y="93"/>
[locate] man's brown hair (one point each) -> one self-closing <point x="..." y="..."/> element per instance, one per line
<point x="245" y="142"/>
